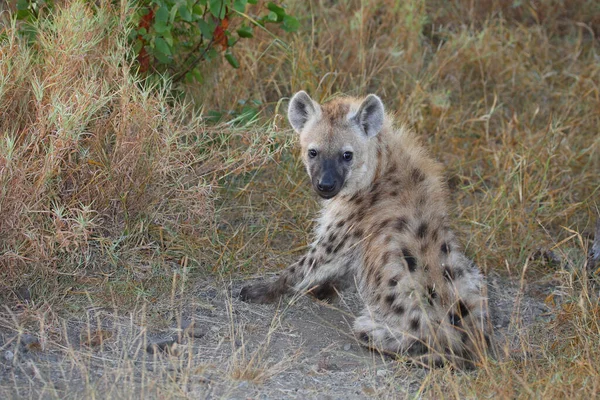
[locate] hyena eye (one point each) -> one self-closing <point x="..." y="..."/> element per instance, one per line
<point x="312" y="153"/>
<point x="347" y="156"/>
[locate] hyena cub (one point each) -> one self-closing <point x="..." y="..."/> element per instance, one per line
<point x="384" y="224"/>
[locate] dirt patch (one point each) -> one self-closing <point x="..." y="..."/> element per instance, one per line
<point x="220" y="347"/>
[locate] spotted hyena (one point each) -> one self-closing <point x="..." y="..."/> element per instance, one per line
<point x="385" y="227"/>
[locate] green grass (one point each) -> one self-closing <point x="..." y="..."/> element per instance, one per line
<point x="115" y="192"/>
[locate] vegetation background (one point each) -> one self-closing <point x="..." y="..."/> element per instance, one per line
<point x="124" y="182"/>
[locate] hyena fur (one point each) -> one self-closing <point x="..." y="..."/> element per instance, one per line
<point x="385" y="226"/>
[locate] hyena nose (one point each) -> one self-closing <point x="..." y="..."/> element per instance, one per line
<point x="326" y="186"/>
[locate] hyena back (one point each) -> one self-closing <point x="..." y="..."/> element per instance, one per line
<point x="384" y="225"/>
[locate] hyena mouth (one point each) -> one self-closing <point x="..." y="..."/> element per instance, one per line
<point x="327" y="191"/>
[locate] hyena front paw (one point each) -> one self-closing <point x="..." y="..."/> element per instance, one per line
<point x="259" y="293"/>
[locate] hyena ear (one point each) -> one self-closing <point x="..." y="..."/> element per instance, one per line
<point x="301" y="109"/>
<point x="370" y="115"/>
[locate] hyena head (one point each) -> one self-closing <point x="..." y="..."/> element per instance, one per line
<point x="337" y="141"/>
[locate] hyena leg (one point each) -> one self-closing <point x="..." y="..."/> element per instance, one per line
<point x="314" y="274"/>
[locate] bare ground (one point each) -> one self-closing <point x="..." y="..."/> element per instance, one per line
<point x="220" y="347"/>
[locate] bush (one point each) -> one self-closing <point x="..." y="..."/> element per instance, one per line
<point x="97" y="168"/>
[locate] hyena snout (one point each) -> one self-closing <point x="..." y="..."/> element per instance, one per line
<point x="327" y="185"/>
<point x="327" y="180"/>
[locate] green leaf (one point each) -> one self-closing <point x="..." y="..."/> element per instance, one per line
<point x="162" y="47"/>
<point x="290" y="24"/>
<point x="232" y="60"/>
<point x="207" y="28"/>
<point x="240" y="5"/>
<point x="161" y="16"/>
<point x="168" y="38"/>
<point x="22" y="5"/>
<point x="161" y="28"/>
<point x="212" y="53"/>
<point x="280" y="12"/>
<point x="194" y="76"/>
<point x="245" y="32"/>
<point x="185" y="13"/>
<point x="252" y="1"/>
<point x="272" y="17"/>
<point x="198" y="11"/>
<point x="217" y="8"/>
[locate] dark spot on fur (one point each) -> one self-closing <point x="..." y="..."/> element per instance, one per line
<point x="360" y="215"/>
<point x="332" y="237"/>
<point x="411" y="262"/>
<point x="401" y="224"/>
<point x="394" y="193"/>
<point x="463" y="309"/>
<point x="431" y="295"/>
<point x="329" y="249"/>
<point x="340" y="245"/>
<point x="292" y="270"/>
<point x="399" y="309"/>
<point x="325" y="291"/>
<point x="417" y="176"/>
<point x="374" y="198"/>
<point x="393" y="168"/>
<point x="340" y="223"/>
<point x="458" y="273"/>
<point x="378" y="298"/>
<point x="313" y="250"/>
<point x="448" y="274"/>
<point x="434" y="235"/>
<point x="301" y="263"/>
<point x="454" y="319"/>
<point x="387" y="240"/>
<point x="445" y="248"/>
<point x="415" y="323"/>
<point x="364" y="337"/>
<point x="358" y="233"/>
<point x="311" y="262"/>
<point x="393" y="282"/>
<point x="417" y="348"/>
<point x="390" y="298"/>
<point x="378" y="279"/>
<point x="395" y="182"/>
<point x="422" y="230"/>
<point x="464" y="337"/>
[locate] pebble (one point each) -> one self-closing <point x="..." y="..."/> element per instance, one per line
<point x="382" y="372"/>
<point x="9" y="355"/>
<point x="347" y="346"/>
<point x="168" y="346"/>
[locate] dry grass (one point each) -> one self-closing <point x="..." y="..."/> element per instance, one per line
<point x="108" y="185"/>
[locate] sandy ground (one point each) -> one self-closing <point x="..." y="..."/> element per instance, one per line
<point x="219" y="347"/>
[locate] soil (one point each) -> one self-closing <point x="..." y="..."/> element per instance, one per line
<point x="220" y="347"/>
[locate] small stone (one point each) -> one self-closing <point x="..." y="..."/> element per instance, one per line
<point x="9" y="355"/>
<point x="214" y="328"/>
<point x="191" y="329"/>
<point x="167" y="346"/>
<point x="347" y="346"/>
<point x="30" y="343"/>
